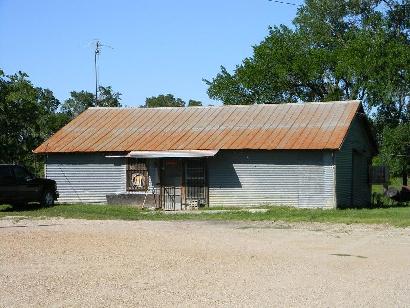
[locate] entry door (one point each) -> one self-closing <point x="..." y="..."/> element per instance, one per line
<point x="360" y="181"/>
<point x="171" y="183"/>
<point x="196" y="188"/>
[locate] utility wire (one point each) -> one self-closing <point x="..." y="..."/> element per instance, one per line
<point x="284" y="2"/>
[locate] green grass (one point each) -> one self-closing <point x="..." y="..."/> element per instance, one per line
<point x="395" y="182"/>
<point x="378" y="198"/>
<point x="395" y="216"/>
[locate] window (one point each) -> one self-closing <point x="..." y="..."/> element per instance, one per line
<point x="137" y="175"/>
<point x="21" y="174"/>
<point x="5" y="175"/>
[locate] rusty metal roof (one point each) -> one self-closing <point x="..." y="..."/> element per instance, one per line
<point x="311" y="126"/>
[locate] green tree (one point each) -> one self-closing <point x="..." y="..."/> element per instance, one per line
<point x="108" y="98"/>
<point x="28" y="115"/>
<point x="352" y="49"/>
<point x="77" y="103"/>
<point x="80" y="101"/>
<point x="167" y="100"/>
<point x="194" y="103"/>
<point x="337" y="50"/>
<point x="395" y="152"/>
<point x="50" y="117"/>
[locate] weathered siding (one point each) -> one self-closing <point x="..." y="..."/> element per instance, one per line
<point x="295" y="178"/>
<point x="352" y="186"/>
<point x="86" y="178"/>
<point x="238" y="177"/>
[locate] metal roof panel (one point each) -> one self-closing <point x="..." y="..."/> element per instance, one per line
<point x="281" y="126"/>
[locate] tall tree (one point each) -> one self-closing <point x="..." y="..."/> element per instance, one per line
<point x="351" y="49"/>
<point x="396" y="150"/>
<point x="28" y="115"/>
<point x="337" y="50"/>
<point x="108" y="98"/>
<point x="167" y="100"/>
<point x="194" y="103"/>
<point x="80" y="101"/>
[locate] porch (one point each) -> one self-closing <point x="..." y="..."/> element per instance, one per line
<point x="171" y="181"/>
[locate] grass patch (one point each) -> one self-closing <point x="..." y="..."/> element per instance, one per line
<point x="395" y="182"/>
<point x="395" y="216"/>
<point x="380" y="200"/>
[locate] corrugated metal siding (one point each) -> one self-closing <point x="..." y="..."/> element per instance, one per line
<point x="343" y="164"/>
<point x="83" y="178"/>
<point x="294" y="178"/>
<point x="351" y="192"/>
<point x="361" y="187"/>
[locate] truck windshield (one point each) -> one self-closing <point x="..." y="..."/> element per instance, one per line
<point x="21" y="173"/>
<point x="5" y="174"/>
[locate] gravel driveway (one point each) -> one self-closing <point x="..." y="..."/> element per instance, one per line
<point x="59" y="262"/>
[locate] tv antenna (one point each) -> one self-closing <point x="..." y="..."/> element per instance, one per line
<point x="97" y="51"/>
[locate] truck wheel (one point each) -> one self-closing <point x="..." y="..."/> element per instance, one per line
<point x="19" y="205"/>
<point x="47" y="199"/>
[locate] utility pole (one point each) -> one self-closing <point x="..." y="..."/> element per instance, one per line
<point x="97" y="52"/>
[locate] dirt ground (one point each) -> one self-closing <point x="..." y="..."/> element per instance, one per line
<point x="145" y="263"/>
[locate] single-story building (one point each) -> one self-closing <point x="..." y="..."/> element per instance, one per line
<point x="302" y="155"/>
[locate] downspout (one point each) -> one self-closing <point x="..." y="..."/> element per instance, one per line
<point x="334" y="178"/>
<point x="45" y="166"/>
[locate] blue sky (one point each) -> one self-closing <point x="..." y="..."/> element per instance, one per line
<point x="159" y="46"/>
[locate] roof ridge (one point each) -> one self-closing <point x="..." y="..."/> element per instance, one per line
<point x="229" y="106"/>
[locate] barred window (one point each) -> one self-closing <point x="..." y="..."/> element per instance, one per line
<point x="137" y="175"/>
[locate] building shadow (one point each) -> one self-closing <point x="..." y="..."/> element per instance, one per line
<point x="22" y="207"/>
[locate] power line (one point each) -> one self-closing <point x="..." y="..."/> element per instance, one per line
<point x="284" y="2"/>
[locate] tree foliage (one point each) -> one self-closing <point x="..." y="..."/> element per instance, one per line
<point x="81" y="100"/>
<point x="108" y="98"/>
<point x="77" y="103"/>
<point x="169" y="100"/>
<point x="337" y="50"/>
<point x="396" y="149"/>
<point x="28" y="115"/>
<point x="194" y="103"/>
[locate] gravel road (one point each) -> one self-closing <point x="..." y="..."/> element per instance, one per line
<point x="58" y="262"/>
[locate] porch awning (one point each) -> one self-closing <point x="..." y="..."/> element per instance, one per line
<point x="166" y="154"/>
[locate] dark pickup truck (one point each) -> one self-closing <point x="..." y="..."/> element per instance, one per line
<point x="18" y="186"/>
